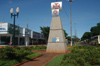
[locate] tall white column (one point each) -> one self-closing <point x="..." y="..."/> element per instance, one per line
<point x="26" y="41"/>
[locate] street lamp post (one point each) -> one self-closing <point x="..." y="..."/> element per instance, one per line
<point x="70" y="21"/>
<point x="11" y="11"/>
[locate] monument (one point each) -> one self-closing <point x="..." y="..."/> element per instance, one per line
<point x="56" y="40"/>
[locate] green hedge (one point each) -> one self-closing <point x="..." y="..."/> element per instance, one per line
<point x="38" y="47"/>
<point x="82" y="56"/>
<point x="13" y="53"/>
<point x="10" y="56"/>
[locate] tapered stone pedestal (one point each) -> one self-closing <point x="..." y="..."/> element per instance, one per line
<point x="56" y="40"/>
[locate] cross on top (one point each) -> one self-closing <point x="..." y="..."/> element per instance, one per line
<point x="56" y="6"/>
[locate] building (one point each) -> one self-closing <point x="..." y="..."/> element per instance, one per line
<point x="23" y="36"/>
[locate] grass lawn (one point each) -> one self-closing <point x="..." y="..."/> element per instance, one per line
<point x="14" y="61"/>
<point x="56" y="61"/>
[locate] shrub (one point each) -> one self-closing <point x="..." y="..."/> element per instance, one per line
<point x="17" y="48"/>
<point x="33" y="47"/>
<point x="22" y="53"/>
<point x="26" y="48"/>
<point x="82" y="55"/>
<point x="38" y="47"/>
<point x="43" y="47"/>
<point x="7" y="53"/>
<point x="14" y="53"/>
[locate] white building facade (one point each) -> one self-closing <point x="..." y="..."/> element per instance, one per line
<point x="23" y="36"/>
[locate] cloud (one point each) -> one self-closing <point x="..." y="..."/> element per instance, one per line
<point x="10" y="2"/>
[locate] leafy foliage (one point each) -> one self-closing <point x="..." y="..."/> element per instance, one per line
<point x="13" y="53"/>
<point x="68" y="37"/>
<point x="65" y="33"/>
<point x="86" y="35"/>
<point x="38" y="47"/>
<point x="82" y="56"/>
<point x="10" y="56"/>
<point x="45" y="31"/>
<point x="75" y="39"/>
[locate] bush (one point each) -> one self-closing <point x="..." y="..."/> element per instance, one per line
<point x="7" y="53"/>
<point x="22" y="53"/>
<point x="27" y="48"/>
<point x="38" y="47"/>
<point x="14" y="53"/>
<point x="83" y="55"/>
<point x="43" y="47"/>
<point x="17" y="48"/>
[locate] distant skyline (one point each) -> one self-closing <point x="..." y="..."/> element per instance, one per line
<point x="85" y="13"/>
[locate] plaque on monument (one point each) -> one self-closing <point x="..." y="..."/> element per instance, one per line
<point x="54" y="39"/>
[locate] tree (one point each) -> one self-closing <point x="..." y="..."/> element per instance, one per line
<point x="65" y="34"/>
<point x="95" y="30"/>
<point x="75" y="39"/>
<point x="86" y="35"/>
<point x="45" y="31"/>
<point x="69" y="38"/>
<point x="98" y="24"/>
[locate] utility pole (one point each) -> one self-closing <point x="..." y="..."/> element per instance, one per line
<point x="70" y="21"/>
<point x="27" y="35"/>
<point x="75" y="31"/>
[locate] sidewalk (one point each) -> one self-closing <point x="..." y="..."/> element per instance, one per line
<point x="42" y="60"/>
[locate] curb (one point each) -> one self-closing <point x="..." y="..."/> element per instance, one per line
<point x="26" y="61"/>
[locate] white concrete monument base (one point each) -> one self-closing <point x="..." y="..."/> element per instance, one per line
<point x="56" y="40"/>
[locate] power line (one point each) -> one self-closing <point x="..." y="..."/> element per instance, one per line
<point x="65" y="12"/>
